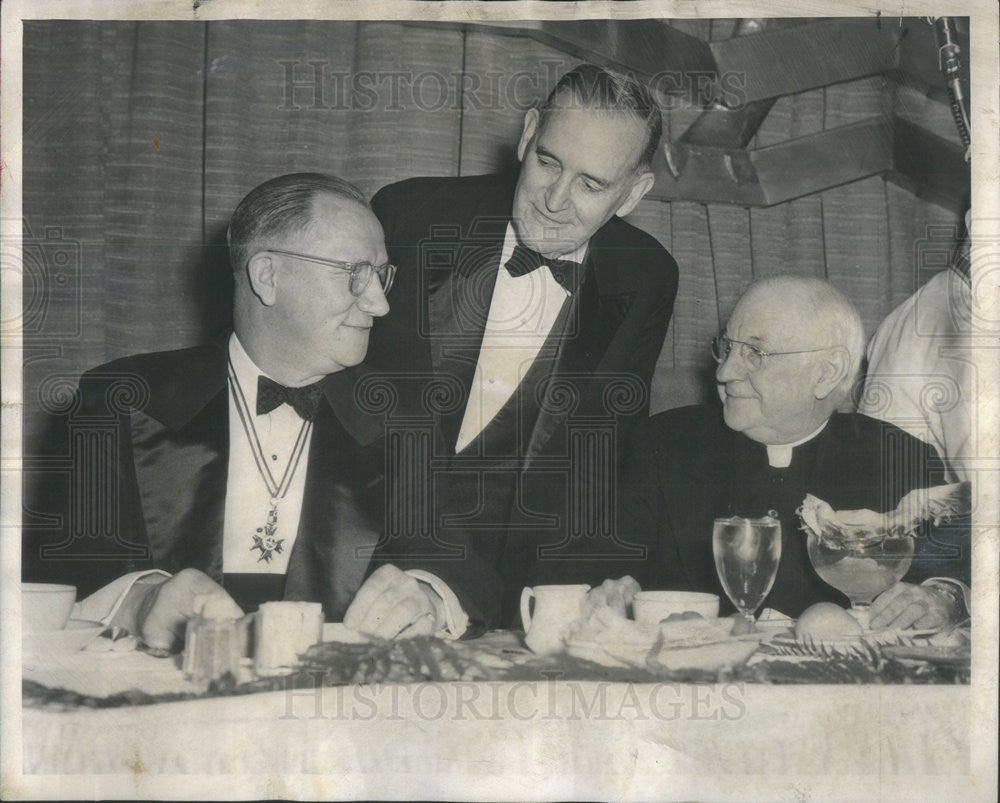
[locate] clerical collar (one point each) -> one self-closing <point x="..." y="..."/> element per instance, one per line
<point x="780" y="455"/>
<point x="510" y="240"/>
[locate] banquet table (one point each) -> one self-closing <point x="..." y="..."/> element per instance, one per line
<point x="570" y="737"/>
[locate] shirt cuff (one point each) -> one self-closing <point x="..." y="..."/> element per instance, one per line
<point x="957" y="585"/>
<point x="103" y="604"/>
<point x="456" y="620"/>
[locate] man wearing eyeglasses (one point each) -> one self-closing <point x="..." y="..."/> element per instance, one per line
<point x="787" y="360"/>
<point x="243" y="470"/>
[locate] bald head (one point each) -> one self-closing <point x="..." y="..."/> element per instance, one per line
<point x="813" y="340"/>
<point x="805" y="302"/>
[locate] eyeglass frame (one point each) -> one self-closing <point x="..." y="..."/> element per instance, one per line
<point x="349" y="267"/>
<point x="716" y="354"/>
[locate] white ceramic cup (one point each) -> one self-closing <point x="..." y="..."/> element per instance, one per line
<point x="556" y="607"/>
<point x="46" y="606"/>
<point x="650" y="607"/>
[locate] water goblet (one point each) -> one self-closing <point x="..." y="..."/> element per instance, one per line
<point x="747" y="553"/>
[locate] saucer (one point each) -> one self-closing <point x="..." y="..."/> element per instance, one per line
<point x="77" y="634"/>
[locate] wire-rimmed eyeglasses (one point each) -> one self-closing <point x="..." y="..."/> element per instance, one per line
<point x="361" y="272"/>
<point x="752" y="355"/>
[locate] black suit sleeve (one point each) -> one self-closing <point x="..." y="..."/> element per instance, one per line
<point x="651" y="337"/>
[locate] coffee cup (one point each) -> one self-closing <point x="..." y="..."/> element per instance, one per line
<point x="46" y="606"/>
<point x="651" y="607"/>
<point x="556" y="607"/>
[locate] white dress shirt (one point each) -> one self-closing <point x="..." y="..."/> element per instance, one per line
<point x="920" y="371"/>
<point x="522" y="313"/>
<point x="247" y="496"/>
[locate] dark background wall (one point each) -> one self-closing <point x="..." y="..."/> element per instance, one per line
<point x="140" y="138"/>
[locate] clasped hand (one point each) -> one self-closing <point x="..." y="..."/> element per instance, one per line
<point x="390" y="604"/>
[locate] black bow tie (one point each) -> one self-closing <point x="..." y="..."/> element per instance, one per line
<point x="565" y="271"/>
<point x="271" y="395"/>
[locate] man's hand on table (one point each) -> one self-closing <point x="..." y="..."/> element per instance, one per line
<point x="391" y="604"/>
<point x="158" y="609"/>
<point x="906" y="605"/>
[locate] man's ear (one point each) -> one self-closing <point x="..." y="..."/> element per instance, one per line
<point x="833" y="368"/>
<point x="530" y="126"/>
<point x="263" y="278"/>
<point x="642" y="184"/>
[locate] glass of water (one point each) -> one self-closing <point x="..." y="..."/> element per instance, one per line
<point x="747" y="553"/>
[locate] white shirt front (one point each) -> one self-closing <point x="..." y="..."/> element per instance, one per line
<point x="248" y="499"/>
<point x="522" y="312"/>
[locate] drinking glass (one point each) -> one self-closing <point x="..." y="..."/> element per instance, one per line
<point x="862" y="568"/>
<point x="747" y="553"/>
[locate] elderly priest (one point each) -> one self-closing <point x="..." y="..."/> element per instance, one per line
<point x="786" y="361"/>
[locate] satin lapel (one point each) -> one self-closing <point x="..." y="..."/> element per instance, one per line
<point x="338" y="529"/>
<point x="579" y="338"/>
<point x="181" y="476"/>
<point x="544" y="372"/>
<point x="458" y="305"/>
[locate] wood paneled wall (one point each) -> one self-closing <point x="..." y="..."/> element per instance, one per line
<point x="140" y="138"/>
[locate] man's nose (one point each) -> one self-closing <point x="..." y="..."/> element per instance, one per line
<point x="731" y="368"/>
<point x="373" y="300"/>
<point x="557" y="194"/>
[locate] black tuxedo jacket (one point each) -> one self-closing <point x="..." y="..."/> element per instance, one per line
<point x="686" y="468"/>
<point x="134" y="477"/>
<point x="510" y="486"/>
<point x="446" y="234"/>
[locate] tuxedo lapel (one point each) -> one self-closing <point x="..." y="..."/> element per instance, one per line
<point x="458" y="287"/>
<point x="180" y="449"/>
<point x="579" y="339"/>
<point x="344" y="492"/>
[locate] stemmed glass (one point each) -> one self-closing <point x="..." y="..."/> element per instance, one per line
<point x="747" y="553"/>
<point x="861" y="568"/>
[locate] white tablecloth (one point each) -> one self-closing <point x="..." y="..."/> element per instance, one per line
<point x="507" y="740"/>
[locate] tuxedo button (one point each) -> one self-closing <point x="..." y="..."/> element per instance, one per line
<point x="777" y="479"/>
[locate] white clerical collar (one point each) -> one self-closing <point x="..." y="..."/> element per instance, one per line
<point x="780" y="455"/>
<point x="510" y="240"/>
